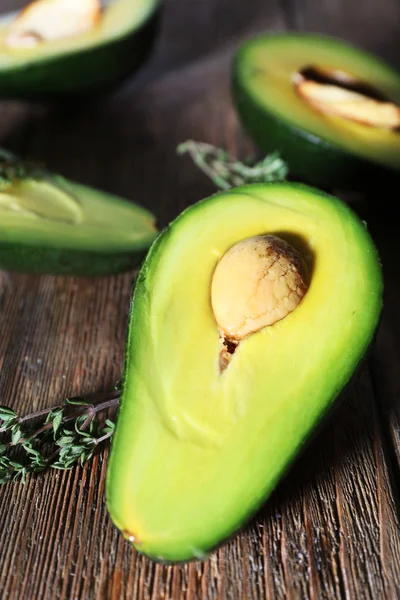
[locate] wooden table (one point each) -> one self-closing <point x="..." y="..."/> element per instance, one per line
<point x="331" y="530"/>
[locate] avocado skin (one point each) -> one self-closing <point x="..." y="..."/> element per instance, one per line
<point x="310" y="158"/>
<point x="85" y="73"/>
<point x="63" y="261"/>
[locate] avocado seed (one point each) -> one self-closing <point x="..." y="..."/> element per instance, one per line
<point x="259" y="281"/>
<point x="47" y="20"/>
<point x="337" y="93"/>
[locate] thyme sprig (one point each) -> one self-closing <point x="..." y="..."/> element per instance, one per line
<point x="226" y="172"/>
<point x="56" y="438"/>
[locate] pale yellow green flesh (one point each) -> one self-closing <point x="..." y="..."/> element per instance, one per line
<point x="196" y="451"/>
<point x="118" y="19"/>
<point x="267" y="66"/>
<point x="57" y="212"/>
<point x="39" y="199"/>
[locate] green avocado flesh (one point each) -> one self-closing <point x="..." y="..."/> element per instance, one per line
<point x="84" y="64"/>
<point x="197" y="451"/>
<point x="323" y="149"/>
<point x="51" y="225"/>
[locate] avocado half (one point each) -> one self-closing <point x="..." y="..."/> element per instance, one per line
<point x="323" y="149"/>
<point x="85" y="64"/>
<point x="50" y="225"/>
<point x="196" y="450"/>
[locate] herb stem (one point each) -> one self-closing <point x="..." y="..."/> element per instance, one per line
<point x="35" y="415"/>
<point x="113" y="401"/>
<point x="103" y="438"/>
<point x="50" y="459"/>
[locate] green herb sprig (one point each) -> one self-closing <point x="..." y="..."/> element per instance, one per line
<point x="226" y="172"/>
<point x="57" y="437"/>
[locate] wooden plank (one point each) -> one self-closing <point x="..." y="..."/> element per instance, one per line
<point x="371" y="24"/>
<point x="331" y="530"/>
<point x="381" y="215"/>
<point x="343" y="19"/>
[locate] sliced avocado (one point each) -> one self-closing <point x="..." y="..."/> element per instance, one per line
<point x="51" y="225"/>
<point x="89" y="62"/>
<point x="201" y="442"/>
<point x="332" y="111"/>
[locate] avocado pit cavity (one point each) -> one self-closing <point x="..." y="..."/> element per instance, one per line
<point x="47" y="20"/>
<point x="259" y="281"/>
<point x="337" y="93"/>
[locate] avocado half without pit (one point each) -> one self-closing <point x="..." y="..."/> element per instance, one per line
<point x="250" y="314"/>
<point x="62" y="48"/>
<point x="333" y="111"/>
<point x="49" y="224"/>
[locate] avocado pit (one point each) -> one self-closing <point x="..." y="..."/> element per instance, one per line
<point x="47" y="20"/>
<point x="259" y="281"/>
<point x="337" y="93"/>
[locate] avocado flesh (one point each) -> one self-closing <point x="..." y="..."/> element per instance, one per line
<point x="52" y="225"/>
<point x="323" y="149"/>
<point x="89" y="62"/>
<point x="195" y="451"/>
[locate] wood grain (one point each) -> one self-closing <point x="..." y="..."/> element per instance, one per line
<point x="331" y="530"/>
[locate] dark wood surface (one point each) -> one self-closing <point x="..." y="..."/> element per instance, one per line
<point x="331" y="530"/>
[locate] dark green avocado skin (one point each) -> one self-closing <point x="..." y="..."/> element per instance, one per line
<point x="60" y="261"/>
<point x="310" y="158"/>
<point x="82" y="74"/>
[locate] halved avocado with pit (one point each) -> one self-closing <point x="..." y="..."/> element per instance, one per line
<point x="332" y="110"/>
<point x="50" y="225"/>
<point x="47" y="64"/>
<point x="250" y="314"/>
